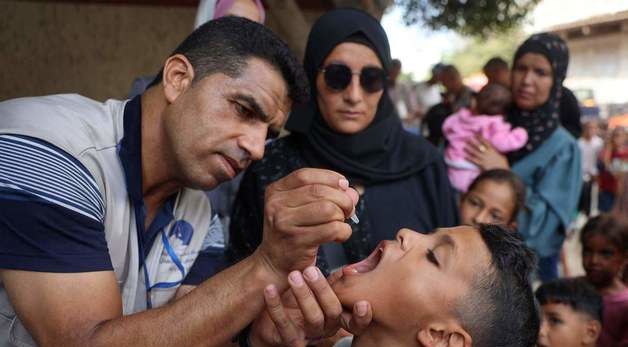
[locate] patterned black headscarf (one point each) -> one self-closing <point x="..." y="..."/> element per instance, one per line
<point x="541" y="122"/>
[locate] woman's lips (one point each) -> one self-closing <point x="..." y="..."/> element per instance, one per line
<point x="525" y="94"/>
<point x="350" y="114"/>
<point x="367" y="265"/>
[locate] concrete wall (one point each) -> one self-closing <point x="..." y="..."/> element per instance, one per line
<point x="600" y="63"/>
<point x="92" y="49"/>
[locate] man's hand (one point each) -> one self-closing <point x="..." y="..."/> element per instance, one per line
<point x="302" y="211"/>
<point x="307" y="313"/>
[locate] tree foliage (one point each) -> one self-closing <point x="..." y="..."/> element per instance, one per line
<point x="467" y="17"/>
<point x="470" y="58"/>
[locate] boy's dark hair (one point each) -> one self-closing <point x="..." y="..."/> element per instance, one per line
<point x="225" y="44"/>
<point x="613" y="227"/>
<point x="504" y="176"/>
<point x="500" y="309"/>
<point x="576" y="293"/>
<point x="493" y="99"/>
<point x="495" y="63"/>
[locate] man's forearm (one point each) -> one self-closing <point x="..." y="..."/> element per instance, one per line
<point x="210" y="315"/>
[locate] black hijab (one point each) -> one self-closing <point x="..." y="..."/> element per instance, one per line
<point x="541" y="122"/>
<point x="381" y="152"/>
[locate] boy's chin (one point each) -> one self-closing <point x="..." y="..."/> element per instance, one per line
<point x="349" y="291"/>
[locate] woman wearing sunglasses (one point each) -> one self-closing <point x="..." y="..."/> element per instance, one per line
<point x="350" y="126"/>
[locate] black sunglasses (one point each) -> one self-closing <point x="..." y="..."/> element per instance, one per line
<point x="338" y="77"/>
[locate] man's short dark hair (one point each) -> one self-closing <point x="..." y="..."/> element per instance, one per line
<point x="495" y="63"/>
<point x="576" y="293"/>
<point x="499" y="309"/>
<point x="225" y="44"/>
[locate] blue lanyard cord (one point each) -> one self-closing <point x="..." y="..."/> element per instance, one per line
<point x="175" y="260"/>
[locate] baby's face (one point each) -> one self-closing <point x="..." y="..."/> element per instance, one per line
<point x="416" y="278"/>
<point x="561" y="326"/>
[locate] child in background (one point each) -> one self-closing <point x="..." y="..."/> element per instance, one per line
<point x="614" y="160"/>
<point x="494" y="197"/>
<point x="485" y="120"/>
<point x="604" y="244"/>
<point x="572" y="313"/>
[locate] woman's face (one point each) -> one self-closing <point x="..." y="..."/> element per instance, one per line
<point x="532" y="80"/>
<point x="352" y="109"/>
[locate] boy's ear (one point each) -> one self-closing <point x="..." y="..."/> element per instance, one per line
<point x="444" y="335"/>
<point x="592" y="329"/>
<point x="513" y="224"/>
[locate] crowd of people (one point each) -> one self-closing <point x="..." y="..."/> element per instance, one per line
<point x="384" y="215"/>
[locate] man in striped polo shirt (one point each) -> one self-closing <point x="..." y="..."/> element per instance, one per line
<point x="103" y="221"/>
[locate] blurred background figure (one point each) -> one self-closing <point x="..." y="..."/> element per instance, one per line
<point x="212" y="9"/>
<point x="403" y="97"/>
<point x="570" y="113"/>
<point x="614" y="167"/>
<point x="497" y="71"/>
<point x="456" y="96"/>
<point x="428" y="92"/>
<point x="590" y="146"/>
<point x="604" y="241"/>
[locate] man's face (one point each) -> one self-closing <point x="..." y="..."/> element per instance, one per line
<point x="451" y="81"/>
<point x="415" y="279"/>
<point x="561" y="326"/>
<point x="218" y="125"/>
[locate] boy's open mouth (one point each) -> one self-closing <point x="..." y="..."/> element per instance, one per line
<point x="367" y="265"/>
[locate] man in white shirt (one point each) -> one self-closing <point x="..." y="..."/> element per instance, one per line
<point x="590" y="146"/>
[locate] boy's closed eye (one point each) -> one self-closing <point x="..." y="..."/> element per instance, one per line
<point x="431" y="257"/>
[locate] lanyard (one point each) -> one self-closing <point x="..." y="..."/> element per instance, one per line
<point x="139" y="222"/>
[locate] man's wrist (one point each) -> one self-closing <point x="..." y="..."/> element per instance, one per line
<point x="266" y="272"/>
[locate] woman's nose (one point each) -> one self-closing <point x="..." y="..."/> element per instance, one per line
<point x="353" y="92"/>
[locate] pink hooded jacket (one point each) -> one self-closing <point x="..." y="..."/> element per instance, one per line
<point x="462" y="126"/>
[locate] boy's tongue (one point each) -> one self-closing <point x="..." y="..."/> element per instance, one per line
<point x="366" y="265"/>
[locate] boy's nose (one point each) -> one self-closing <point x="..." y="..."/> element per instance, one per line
<point x="405" y="236"/>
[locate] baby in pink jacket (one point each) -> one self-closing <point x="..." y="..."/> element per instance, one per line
<point x="487" y="120"/>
